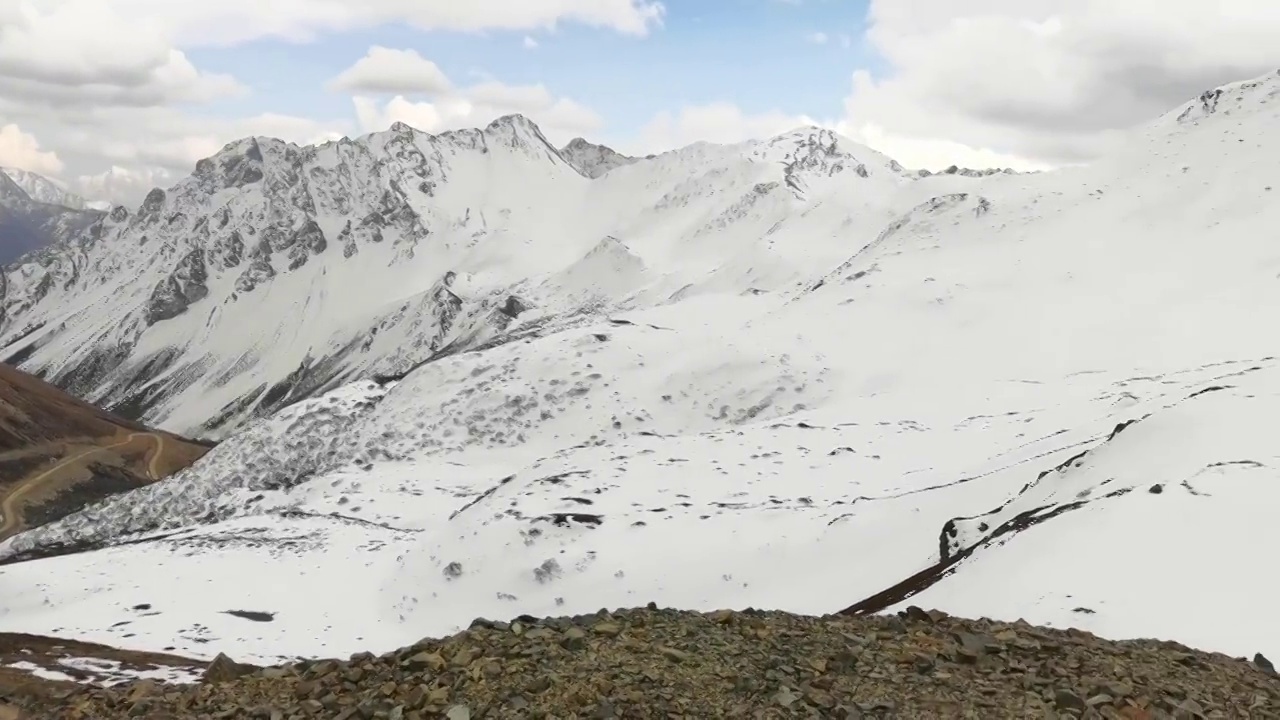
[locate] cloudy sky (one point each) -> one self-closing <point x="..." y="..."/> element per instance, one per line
<point x="116" y="96"/>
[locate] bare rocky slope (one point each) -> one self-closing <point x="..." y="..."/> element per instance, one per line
<point x="662" y="664"/>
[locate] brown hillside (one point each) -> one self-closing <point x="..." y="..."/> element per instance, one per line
<point x="59" y="453"/>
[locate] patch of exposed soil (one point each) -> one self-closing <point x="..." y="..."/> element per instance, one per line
<point x="41" y="671"/>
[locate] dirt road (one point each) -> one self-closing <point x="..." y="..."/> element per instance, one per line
<point x="152" y="470"/>
<point x="11" y="503"/>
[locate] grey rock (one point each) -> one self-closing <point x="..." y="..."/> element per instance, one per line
<point x="1067" y="700"/>
<point x="185" y="285"/>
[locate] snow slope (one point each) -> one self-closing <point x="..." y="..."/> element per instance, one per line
<point x="794" y="396"/>
<point x="1178" y="505"/>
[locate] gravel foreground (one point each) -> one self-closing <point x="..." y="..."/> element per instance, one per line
<point x="657" y="663"/>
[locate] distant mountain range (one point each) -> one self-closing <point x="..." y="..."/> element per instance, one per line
<point x="36" y="212"/>
<point x="45" y="190"/>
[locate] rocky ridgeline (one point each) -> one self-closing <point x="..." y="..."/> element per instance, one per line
<point x="652" y="663"/>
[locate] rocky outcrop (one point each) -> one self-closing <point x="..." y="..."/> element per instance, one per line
<point x="969" y="172"/>
<point x="186" y="285"/>
<point x="656" y="663"/>
<point x="1236" y="94"/>
<point x="259" y="271"/>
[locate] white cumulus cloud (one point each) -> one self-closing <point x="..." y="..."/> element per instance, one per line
<point x="21" y="150"/>
<point x="387" y="70"/>
<point x="1051" y="80"/>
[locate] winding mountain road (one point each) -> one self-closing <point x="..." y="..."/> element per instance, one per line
<point x="10" y="505"/>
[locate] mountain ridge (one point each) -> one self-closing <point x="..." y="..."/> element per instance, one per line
<point x="250" y="218"/>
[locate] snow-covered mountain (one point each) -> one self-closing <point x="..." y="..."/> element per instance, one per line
<point x="591" y="159"/>
<point x="44" y="190"/>
<point x="277" y="271"/>
<point x="778" y="374"/>
<point x="28" y="223"/>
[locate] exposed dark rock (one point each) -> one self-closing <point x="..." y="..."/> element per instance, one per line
<point x="513" y="307"/>
<point x="258" y="272"/>
<point x="184" y="286"/>
<point x="223" y="669"/>
<point x="254" y="615"/>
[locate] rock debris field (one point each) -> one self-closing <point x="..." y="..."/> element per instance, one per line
<point x="660" y="663"/>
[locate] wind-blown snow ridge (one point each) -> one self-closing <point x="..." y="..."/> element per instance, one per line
<point x="762" y="359"/>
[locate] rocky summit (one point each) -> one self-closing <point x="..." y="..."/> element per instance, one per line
<point x="659" y="663"/>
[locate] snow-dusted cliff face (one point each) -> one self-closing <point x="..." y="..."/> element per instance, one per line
<point x="276" y="271"/>
<point x="43" y="190"/>
<point x="779" y="374"/>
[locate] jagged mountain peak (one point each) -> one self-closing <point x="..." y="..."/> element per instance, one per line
<point x="514" y="121"/>
<point x="816" y="154"/>
<point x="812" y="138"/>
<point x="518" y="131"/>
<point x="254" y="148"/>
<point x="239" y="163"/>
<point x="581" y="144"/>
<point x="592" y="159"/>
